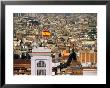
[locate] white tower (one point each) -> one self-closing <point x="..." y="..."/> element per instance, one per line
<point x="41" y="61"/>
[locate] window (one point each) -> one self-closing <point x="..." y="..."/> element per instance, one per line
<point x="41" y="72"/>
<point x="41" y="68"/>
<point x="41" y="64"/>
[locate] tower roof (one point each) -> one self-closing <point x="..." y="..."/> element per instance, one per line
<point x="41" y="49"/>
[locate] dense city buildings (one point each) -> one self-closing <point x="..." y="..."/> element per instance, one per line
<point x="57" y="32"/>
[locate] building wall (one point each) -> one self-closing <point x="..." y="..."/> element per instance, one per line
<point x="88" y="57"/>
<point x="48" y="60"/>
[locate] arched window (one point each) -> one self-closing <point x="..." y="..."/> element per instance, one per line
<point x="41" y="68"/>
<point x="41" y="64"/>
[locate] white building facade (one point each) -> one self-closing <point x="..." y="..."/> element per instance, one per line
<point x="41" y="61"/>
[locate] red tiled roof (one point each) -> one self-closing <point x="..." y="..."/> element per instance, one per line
<point x="21" y="61"/>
